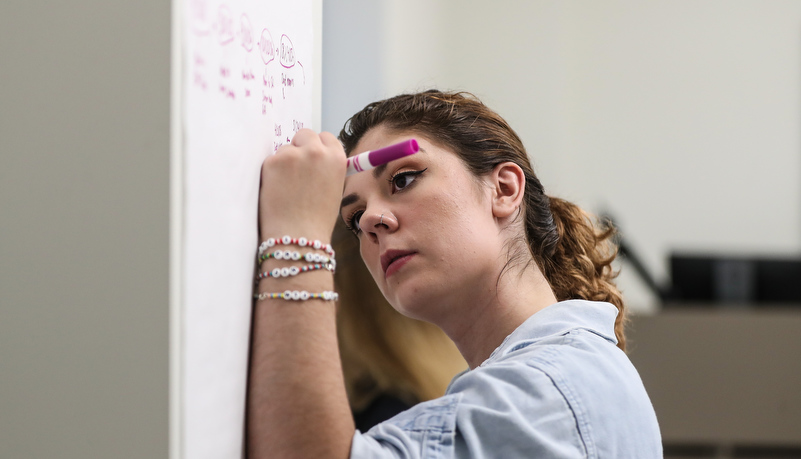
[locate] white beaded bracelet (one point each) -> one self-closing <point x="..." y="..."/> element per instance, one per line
<point x="295" y="270"/>
<point x="299" y="295"/>
<point x="302" y="241"/>
<point x="310" y="257"/>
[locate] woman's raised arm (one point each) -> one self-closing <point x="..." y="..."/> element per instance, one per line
<point x="297" y="404"/>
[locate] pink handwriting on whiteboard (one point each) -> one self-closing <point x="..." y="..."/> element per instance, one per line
<point x="200" y="19"/>
<point x="246" y="31"/>
<point x="287" y="52"/>
<point x="265" y="101"/>
<point x="268" y="80"/>
<point x="266" y="47"/>
<point x="234" y="78"/>
<point x="227" y="92"/>
<point x="225" y="25"/>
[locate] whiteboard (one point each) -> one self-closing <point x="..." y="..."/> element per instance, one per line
<point x="246" y="77"/>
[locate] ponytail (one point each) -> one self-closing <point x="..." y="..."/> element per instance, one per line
<point x="579" y="264"/>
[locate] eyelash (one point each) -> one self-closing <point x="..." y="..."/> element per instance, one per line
<point x="350" y="222"/>
<point x="404" y="174"/>
<point x="355" y="216"/>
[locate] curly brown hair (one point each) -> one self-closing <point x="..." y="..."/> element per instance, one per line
<point x="572" y="249"/>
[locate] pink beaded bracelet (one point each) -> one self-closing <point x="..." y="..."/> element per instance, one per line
<point x="302" y="241"/>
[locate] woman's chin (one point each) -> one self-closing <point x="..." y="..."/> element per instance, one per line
<point x="412" y="306"/>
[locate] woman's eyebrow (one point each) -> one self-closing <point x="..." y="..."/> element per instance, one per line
<point x="349" y="199"/>
<point x="380" y="169"/>
<point x="353" y="197"/>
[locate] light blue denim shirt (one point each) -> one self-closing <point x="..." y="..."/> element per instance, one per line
<point x="557" y="387"/>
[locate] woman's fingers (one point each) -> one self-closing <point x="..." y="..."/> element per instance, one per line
<point x="308" y="145"/>
<point x="303" y="137"/>
<point x="330" y="140"/>
<point x="302" y="184"/>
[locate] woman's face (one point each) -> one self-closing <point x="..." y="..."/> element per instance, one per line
<point x="425" y="227"/>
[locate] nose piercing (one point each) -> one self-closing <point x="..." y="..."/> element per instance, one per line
<point x="381" y="222"/>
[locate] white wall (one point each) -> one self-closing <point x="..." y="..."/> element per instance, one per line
<point x="681" y="118"/>
<point x="352" y="67"/>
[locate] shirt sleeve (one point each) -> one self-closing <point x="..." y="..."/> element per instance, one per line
<point x="426" y="430"/>
<point x="502" y="411"/>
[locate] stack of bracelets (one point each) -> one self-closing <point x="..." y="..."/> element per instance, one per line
<point x="316" y="261"/>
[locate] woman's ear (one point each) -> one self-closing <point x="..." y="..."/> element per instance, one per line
<point x="509" y="185"/>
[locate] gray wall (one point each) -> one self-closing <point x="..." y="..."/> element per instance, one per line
<point x="84" y="229"/>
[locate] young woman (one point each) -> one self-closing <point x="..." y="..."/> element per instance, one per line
<point x="461" y="235"/>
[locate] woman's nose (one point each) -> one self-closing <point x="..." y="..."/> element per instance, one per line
<point x="376" y="221"/>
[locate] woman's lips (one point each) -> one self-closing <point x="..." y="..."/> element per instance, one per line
<point x="393" y="260"/>
<point x="397" y="264"/>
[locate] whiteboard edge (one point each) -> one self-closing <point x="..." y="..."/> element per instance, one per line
<point x="176" y="233"/>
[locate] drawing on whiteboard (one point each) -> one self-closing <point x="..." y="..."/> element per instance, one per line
<point x="287" y="52"/>
<point x="266" y="47"/>
<point x="224" y="25"/>
<point x="232" y="73"/>
<point x="198" y="14"/>
<point x="246" y="32"/>
<point x="288" y="55"/>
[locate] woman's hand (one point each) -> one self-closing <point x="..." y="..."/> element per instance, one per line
<point x="301" y="187"/>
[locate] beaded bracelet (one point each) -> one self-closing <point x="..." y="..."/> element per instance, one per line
<point x="295" y="270"/>
<point x="299" y="295"/>
<point x="311" y="257"/>
<point x="302" y="241"/>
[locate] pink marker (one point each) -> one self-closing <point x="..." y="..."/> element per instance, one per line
<point x="372" y="159"/>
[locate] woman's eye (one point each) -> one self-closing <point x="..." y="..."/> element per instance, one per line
<point x="353" y="221"/>
<point x="402" y="180"/>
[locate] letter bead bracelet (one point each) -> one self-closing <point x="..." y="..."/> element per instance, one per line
<point x="302" y="241"/>
<point x="317" y="261"/>
<point x="295" y="255"/>
<point x="294" y="270"/>
<point x="299" y="295"/>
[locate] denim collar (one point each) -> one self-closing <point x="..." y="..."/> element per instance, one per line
<point x="558" y="319"/>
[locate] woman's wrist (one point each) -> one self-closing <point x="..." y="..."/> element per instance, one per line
<point x="295" y="268"/>
<point x="296" y="232"/>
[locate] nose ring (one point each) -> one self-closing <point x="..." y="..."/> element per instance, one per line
<point x="381" y="222"/>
